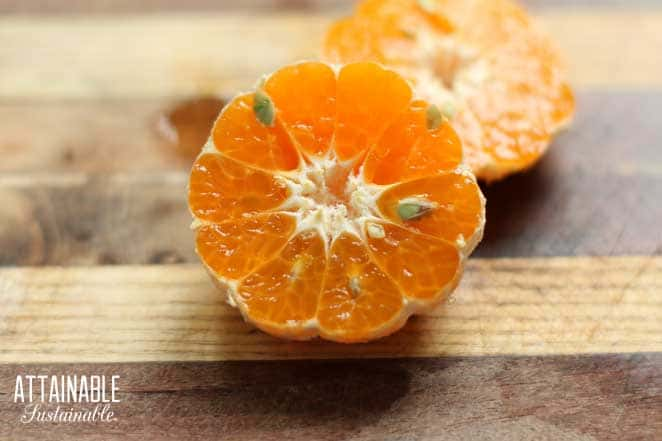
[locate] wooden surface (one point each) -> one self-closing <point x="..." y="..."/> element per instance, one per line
<point x="99" y="267"/>
<point x="171" y="312"/>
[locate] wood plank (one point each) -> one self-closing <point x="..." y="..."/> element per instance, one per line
<point x="566" y="398"/>
<point x="151" y="6"/>
<point x="193" y="54"/>
<point x="87" y="220"/>
<point x="164" y="313"/>
<point x="69" y="190"/>
<point x="80" y="219"/>
<point x="615" y="132"/>
<point x="88" y="135"/>
<point x="97" y="136"/>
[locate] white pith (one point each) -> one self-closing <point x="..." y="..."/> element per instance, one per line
<point x="470" y="73"/>
<point x="333" y="217"/>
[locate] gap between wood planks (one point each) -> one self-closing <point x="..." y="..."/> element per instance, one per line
<point x="140" y="56"/>
<point x="532" y="306"/>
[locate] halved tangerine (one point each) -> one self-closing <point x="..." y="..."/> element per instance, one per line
<point x="331" y="202"/>
<point x="483" y="62"/>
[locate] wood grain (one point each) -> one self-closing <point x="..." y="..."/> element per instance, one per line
<point x="555" y="398"/>
<point x="93" y="136"/>
<point x="158" y="313"/>
<point x="184" y="55"/>
<point x="80" y="219"/>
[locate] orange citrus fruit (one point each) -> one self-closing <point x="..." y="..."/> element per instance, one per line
<point x="331" y="202"/>
<point x="483" y="62"/>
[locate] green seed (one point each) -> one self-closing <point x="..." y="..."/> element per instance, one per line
<point x="264" y="109"/>
<point x="434" y="117"/>
<point x="410" y="209"/>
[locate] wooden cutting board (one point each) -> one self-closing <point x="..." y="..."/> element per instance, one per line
<point x="555" y="332"/>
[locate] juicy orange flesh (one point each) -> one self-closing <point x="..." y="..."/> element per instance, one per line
<point x="298" y="283"/>
<point x="409" y="150"/>
<point x="235" y="248"/>
<point x="221" y="189"/>
<point x="507" y="122"/>
<point x="369" y="99"/>
<point x="240" y="136"/>
<point x="311" y="117"/>
<point x="457" y="208"/>
<point x="357" y="295"/>
<point x="399" y="253"/>
<point x="286" y="288"/>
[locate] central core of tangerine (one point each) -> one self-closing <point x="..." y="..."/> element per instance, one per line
<point x="332" y="197"/>
<point x="452" y="70"/>
<point x="329" y="184"/>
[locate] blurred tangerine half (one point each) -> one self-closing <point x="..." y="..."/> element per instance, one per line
<point x="484" y="63"/>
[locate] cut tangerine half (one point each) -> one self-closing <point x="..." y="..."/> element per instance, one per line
<point x="483" y="62"/>
<point x="331" y="202"/>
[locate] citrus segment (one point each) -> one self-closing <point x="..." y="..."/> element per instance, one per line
<point x="448" y="206"/>
<point x="356" y="215"/>
<point x="241" y="135"/>
<point x="359" y="301"/>
<point x="235" y="248"/>
<point x="410" y="149"/>
<point x="281" y="296"/>
<point x="222" y="189"/>
<point x="310" y="113"/>
<point x="423" y="267"/>
<point x="484" y="63"/>
<point x="369" y="99"/>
